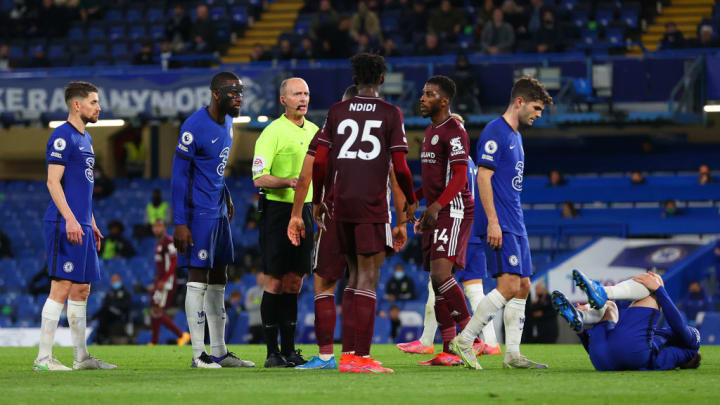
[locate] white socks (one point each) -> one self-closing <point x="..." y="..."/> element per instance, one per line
<point x="484" y="314"/>
<point x="474" y="294"/>
<point x="215" y="314"/>
<point x="514" y="317"/>
<point x="50" y="316"/>
<point x="77" y="318"/>
<point x="429" y="323"/>
<point x="194" y="310"/>
<point x="592" y="316"/>
<point x="627" y="290"/>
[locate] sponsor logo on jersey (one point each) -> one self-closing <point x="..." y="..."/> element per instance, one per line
<point x="186" y="138"/>
<point x="258" y="165"/>
<point x="518" y="180"/>
<point x="457" y="146"/>
<point x="90" y="175"/>
<point x="203" y="254"/>
<point x="56" y="155"/>
<point x="224" y="156"/>
<point x="441" y="248"/>
<point x="68" y="267"/>
<point x="487" y="157"/>
<point x="434" y="140"/>
<point x="513" y="260"/>
<point x="491" y="147"/>
<point x="59" y="144"/>
<point x="90" y="162"/>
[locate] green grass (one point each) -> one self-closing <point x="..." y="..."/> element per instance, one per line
<point x="162" y="374"/>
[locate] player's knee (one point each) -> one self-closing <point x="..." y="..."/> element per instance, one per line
<point x="79" y="292"/>
<point x="60" y="290"/>
<point x="273" y="285"/>
<point x="524" y="288"/>
<point x="509" y="287"/>
<point x="323" y="285"/>
<point x="611" y="312"/>
<point x="291" y="283"/>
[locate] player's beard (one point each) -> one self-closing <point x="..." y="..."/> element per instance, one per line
<point x="429" y="111"/>
<point x="230" y="109"/>
<point x="92" y="118"/>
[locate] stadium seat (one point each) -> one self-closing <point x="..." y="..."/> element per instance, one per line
<point x="75" y="34"/>
<point x="615" y="36"/>
<point x="381" y="333"/>
<point x="408" y="333"/>
<point x="217" y="13"/>
<point x="580" y="18"/>
<point x="133" y="15"/>
<point x="630" y="17"/>
<point x="154" y="14"/>
<point x="137" y="32"/>
<point x="16" y="51"/>
<point x="116" y="33"/>
<point x="589" y="37"/>
<point x="710" y="329"/>
<point x="113" y="15"/>
<point x="96" y="34"/>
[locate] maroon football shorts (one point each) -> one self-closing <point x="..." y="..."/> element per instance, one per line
<point x="329" y="263"/>
<point x="448" y="240"/>
<point x="364" y="239"/>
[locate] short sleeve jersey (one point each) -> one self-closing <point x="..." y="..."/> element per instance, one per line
<point x="206" y="144"/>
<point x="280" y="151"/>
<point x="165" y="257"/>
<point x="362" y="133"/>
<point x="445" y="146"/>
<point x="73" y="149"/>
<point x="329" y="173"/>
<point x="500" y="149"/>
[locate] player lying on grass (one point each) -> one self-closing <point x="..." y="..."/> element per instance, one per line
<point x="630" y="342"/>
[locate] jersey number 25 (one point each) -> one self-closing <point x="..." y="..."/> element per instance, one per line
<point x="346" y="153"/>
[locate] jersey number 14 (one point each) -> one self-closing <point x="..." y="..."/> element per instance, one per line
<point x="346" y="153"/>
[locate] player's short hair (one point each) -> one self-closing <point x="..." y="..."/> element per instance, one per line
<point x="350" y="92"/>
<point x="221" y="78"/>
<point x="446" y="84"/>
<point x="530" y="89"/>
<point x="367" y="68"/>
<point x="79" y="90"/>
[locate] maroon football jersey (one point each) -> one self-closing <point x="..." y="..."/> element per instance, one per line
<point x="443" y="147"/>
<point x="362" y="133"/>
<point x="165" y="262"/>
<point x="329" y="173"/>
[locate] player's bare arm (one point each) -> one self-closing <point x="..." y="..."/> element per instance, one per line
<point x="72" y="227"/>
<point x="650" y="280"/>
<point x="182" y="238"/>
<point x="270" y="181"/>
<point x="98" y="235"/>
<point x="296" y="226"/>
<point x="494" y="233"/>
<point x="229" y="204"/>
<point x="318" y="174"/>
<point x="399" y="232"/>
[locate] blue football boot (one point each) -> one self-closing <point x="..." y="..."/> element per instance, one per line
<point x="563" y="307"/>
<point x="594" y="291"/>
<point x="318" y="364"/>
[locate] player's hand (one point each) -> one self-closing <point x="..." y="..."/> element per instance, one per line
<point x="416" y="228"/>
<point x="399" y="234"/>
<point x="296" y="230"/>
<point x="410" y="211"/>
<point x="230" y="208"/>
<point x="650" y="280"/>
<point x="74" y="231"/>
<point x="292" y="183"/>
<point x="320" y="212"/>
<point x="494" y="236"/>
<point x="98" y="236"/>
<point x="428" y="219"/>
<point x="182" y="238"/>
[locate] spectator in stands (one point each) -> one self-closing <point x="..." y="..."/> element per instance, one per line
<point x="446" y="21"/>
<point x="556" y="179"/>
<point x="157" y="209"/>
<point x="285" y="51"/>
<point x="394" y="317"/>
<point x="166" y="53"/>
<point x="389" y="50"/>
<point x="38" y="59"/>
<point x="252" y="213"/>
<point x="114" y="314"/>
<point x="498" y="37"/>
<point x="49" y="20"/>
<point x="569" y="211"/>
<point x="670" y="209"/>
<point x="5" y="246"/>
<point x="324" y="22"/>
<point x="466" y="97"/>
<point x="5" y="62"/>
<point x="536" y="17"/>
<point x="431" y="46"/>
<point x="341" y="43"/>
<point x="513" y="13"/>
<point x="258" y="53"/>
<point x="636" y="178"/>
<point x="365" y="21"/>
<point x="415" y="22"/>
<point x="673" y="39"/>
<point x="400" y="287"/>
<point x="103" y="186"/>
<point x="178" y="28"/>
<point x="91" y="9"/>
<point x="540" y="318"/>
<point x="253" y="299"/>
<point x="706" y="39"/>
<point x="145" y="55"/>
<point x="704" y="175"/>
<point x="484" y="16"/>
<point x="307" y="50"/>
<point x="396" y="5"/>
<point x="695" y="301"/>
<point x="366" y="44"/>
<point x="548" y="37"/>
<point x="203" y="31"/>
<point x="115" y="244"/>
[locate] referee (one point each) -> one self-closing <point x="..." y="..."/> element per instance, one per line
<point x="279" y="154"/>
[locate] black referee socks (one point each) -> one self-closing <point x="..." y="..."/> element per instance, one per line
<point x="271" y="309"/>
<point x="288" y="322"/>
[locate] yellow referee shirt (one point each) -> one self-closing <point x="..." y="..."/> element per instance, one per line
<point x="280" y="151"/>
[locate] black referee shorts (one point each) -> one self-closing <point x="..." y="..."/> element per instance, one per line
<point x="279" y="256"/>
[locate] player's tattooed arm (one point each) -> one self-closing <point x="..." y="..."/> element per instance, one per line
<point x="72" y="227"/>
<point x="494" y="233"/>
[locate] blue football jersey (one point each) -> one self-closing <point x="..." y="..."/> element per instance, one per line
<point x="500" y="149"/>
<point x="72" y="149"/>
<point x="199" y="192"/>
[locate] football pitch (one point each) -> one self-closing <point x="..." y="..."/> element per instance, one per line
<point x="162" y="374"/>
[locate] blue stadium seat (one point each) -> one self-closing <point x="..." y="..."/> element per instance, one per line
<point x="96" y="34"/>
<point x="137" y="32"/>
<point x="113" y="15"/>
<point x="589" y="37"/>
<point x="17" y="51"/>
<point x="120" y="50"/>
<point x="144" y="337"/>
<point x="615" y="36"/>
<point x="133" y="15"/>
<point x="239" y="14"/>
<point x="389" y="22"/>
<point x="239" y="328"/>
<point x="154" y="14"/>
<point x="75" y="34"/>
<point x="408" y="333"/>
<point x="580" y="18"/>
<point x="710" y="329"/>
<point x="604" y="17"/>
<point x="116" y="33"/>
<point x="381" y="334"/>
<point x="569" y="5"/>
<point x="630" y="17"/>
<point x="217" y="13"/>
